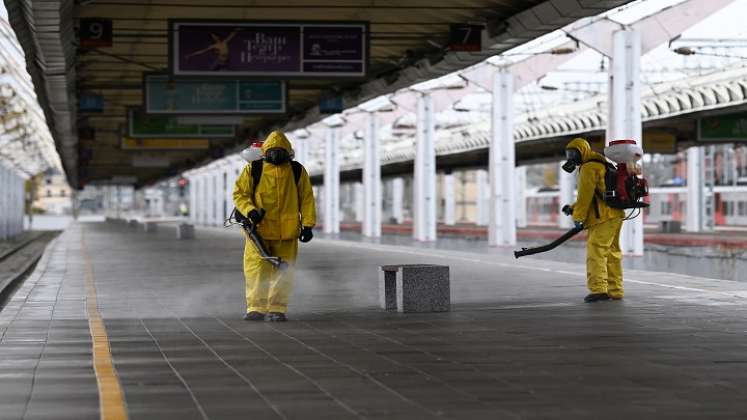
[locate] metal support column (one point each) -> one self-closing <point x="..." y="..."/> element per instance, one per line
<point x="4" y="203"/>
<point x="359" y="202"/>
<point x="212" y="193"/>
<point x="482" y="202"/>
<point x="119" y="201"/>
<point x="695" y="191"/>
<point x="372" y="179"/>
<point x="398" y="194"/>
<point x="521" y="200"/>
<point x="709" y="207"/>
<point x="202" y="199"/>
<point x="332" y="183"/>
<point x="501" y="163"/>
<point x="191" y="182"/>
<point x="624" y="114"/>
<point x="424" y="189"/>
<point x="301" y="150"/>
<point x="449" y="199"/>
<point x="567" y="184"/>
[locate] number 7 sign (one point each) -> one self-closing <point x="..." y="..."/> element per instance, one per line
<point x="465" y="37"/>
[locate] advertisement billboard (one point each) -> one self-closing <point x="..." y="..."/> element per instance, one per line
<point x="268" y="49"/>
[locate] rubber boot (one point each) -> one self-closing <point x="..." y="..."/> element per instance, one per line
<point x="254" y="316"/>
<point x="593" y="297"/>
<point x="278" y="317"/>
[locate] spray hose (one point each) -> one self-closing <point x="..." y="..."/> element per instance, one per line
<point x="251" y="231"/>
<point x="552" y="245"/>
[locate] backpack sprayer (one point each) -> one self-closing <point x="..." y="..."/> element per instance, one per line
<point x="624" y="189"/>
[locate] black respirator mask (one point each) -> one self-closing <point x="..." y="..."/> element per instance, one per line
<point x="573" y="159"/>
<point x="277" y="156"/>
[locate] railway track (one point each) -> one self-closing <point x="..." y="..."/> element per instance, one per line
<point x="19" y="258"/>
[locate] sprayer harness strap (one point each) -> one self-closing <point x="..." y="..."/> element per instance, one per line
<point x="597" y="195"/>
<point x="258" y="164"/>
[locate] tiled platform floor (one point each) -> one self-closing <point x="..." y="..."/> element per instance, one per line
<point x="518" y="344"/>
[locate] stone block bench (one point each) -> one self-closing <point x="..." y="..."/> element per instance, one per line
<point x="185" y="231"/>
<point x="415" y="288"/>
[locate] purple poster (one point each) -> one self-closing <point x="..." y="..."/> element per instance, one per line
<point x="268" y="49"/>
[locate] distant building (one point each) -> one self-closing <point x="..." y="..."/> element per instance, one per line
<point x="53" y="194"/>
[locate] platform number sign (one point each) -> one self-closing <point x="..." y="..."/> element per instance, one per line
<point x="464" y="37"/>
<point x="95" y="32"/>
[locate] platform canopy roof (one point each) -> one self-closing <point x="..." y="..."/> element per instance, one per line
<point x="26" y="145"/>
<point x="409" y="43"/>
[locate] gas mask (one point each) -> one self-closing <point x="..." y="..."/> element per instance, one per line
<point x="573" y="159"/>
<point x="277" y="156"/>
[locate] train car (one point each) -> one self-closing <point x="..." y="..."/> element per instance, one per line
<point x="666" y="204"/>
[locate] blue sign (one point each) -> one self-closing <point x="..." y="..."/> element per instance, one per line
<point x="332" y="105"/>
<point x="165" y="95"/>
<point x="90" y="102"/>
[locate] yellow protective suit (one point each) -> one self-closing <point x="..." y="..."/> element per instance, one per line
<point x="288" y="206"/>
<point x="604" y="272"/>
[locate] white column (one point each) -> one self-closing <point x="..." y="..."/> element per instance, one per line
<point x="482" y="201"/>
<point x="624" y="114"/>
<point x="301" y="150"/>
<point x="230" y="180"/>
<point x="502" y="225"/>
<point x="210" y="193"/>
<point x="17" y="204"/>
<point x="359" y="202"/>
<point x="332" y="183"/>
<point x="372" y="179"/>
<point x="398" y="194"/>
<point x="449" y="199"/>
<point x="219" y="196"/>
<point x="695" y="190"/>
<point x="203" y="200"/>
<point x="567" y="184"/>
<point x="118" y="198"/>
<point x="521" y="200"/>
<point x="236" y="168"/>
<point x="424" y="188"/>
<point x="4" y="203"/>
<point x="225" y="200"/>
<point x="196" y="185"/>
<point x="214" y="196"/>
<point x="192" y="198"/>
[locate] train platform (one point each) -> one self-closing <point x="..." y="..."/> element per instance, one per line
<point x="725" y="237"/>
<point x="119" y="323"/>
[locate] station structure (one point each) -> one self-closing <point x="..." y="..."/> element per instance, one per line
<point x="147" y="109"/>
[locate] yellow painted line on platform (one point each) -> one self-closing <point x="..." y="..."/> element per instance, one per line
<point x="111" y="398"/>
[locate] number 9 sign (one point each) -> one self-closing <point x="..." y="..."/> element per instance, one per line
<point x="95" y="32"/>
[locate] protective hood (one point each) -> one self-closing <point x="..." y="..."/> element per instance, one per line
<point x="583" y="146"/>
<point x="277" y="139"/>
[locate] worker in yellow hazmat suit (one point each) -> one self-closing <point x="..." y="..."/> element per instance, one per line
<point x="604" y="273"/>
<point x="282" y="206"/>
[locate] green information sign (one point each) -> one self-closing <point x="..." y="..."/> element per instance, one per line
<point x="165" y="95"/>
<point x="731" y="127"/>
<point x="142" y="125"/>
